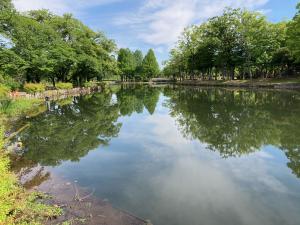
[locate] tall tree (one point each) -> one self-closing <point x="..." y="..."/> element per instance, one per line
<point x="293" y="34"/>
<point x="236" y="44"/>
<point x="138" y="56"/>
<point x="150" y="67"/>
<point x="126" y="62"/>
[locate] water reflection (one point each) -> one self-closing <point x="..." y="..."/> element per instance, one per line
<point x="235" y="123"/>
<point x="70" y="131"/>
<point x="232" y="123"/>
<point x="74" y="126"/>
<point x="179" y="155"/>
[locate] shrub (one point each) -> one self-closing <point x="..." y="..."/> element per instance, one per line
<point x="34" y="88"/>
<point x="9" y="82"/>
<point x="91" y="84"/>
<point x="61" y="85"/>
<point x="3" y="90"/>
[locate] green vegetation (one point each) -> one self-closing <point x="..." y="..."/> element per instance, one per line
<point x="41" y="47"/>
<point x="52" y="48"/>
<point x="16" y="205"/>
<point x="3" y="91"/>
<point x="18" y="107"/>
<point x="92" y="84"/>
<point x="133" y="67"/>
<point x="62" y="85"/>
<point x="150" y="67"/>
<point x="34" y="88"/>
<point x="237" y="45"/>
<point x="293" y="34"/>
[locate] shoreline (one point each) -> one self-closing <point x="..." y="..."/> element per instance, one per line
<point x="100" y="204"/>
<point x="56" y="94"/>
<point x="79" y="204"/>
<point x="271" y="84"/>
<point x="286" y="83"/>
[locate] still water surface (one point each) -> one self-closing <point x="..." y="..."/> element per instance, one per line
<point x="179" y="156"/>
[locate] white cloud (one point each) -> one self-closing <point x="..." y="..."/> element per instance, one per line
<point x="59" y="6"/>
<point x="160" y="22"/>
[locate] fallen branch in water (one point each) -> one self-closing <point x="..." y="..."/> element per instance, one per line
<point x="77" y="194"/>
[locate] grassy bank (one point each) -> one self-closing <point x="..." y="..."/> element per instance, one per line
<point x="285" y="83"/>
<point x="18" y="206"/>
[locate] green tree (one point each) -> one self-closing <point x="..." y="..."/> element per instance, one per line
<point x="293" y="34"/>
<point x="56" y="48"/>
<point x="138" y="56"/>
<point x="237" y="44"/>
<point x="150" y="67"/>
<point x="127" y="64"/>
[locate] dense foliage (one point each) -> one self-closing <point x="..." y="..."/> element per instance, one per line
<point x="239" y="44"/>
<point x="134" y="67"/>
<point x="38" y="45"/>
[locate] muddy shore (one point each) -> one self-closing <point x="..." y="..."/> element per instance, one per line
<point x="79" y="204"/>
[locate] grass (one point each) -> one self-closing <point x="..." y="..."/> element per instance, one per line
<point x="15" y="108"/>
<point x="66" y="86"/>
<point x="17" y="206"/>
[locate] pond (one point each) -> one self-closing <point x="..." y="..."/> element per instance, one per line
<point x="178" y="155"/>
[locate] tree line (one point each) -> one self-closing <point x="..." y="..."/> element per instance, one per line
<point x="40" y="46"/>
<point x="238" y="44"/>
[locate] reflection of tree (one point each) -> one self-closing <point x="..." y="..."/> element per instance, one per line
<point x="239" y="122"/>
<point x="68" y="132"/>
<point x="290" y="141"/>
<point x="135" y="98"/>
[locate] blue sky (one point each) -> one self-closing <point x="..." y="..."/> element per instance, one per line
<point x="144" y="24"/>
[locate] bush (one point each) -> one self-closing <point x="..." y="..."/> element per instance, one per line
<point x="3" y="91"/>
<point x="91" y="84"/>
<point x="34" y="88"/>
<point x="61" y="85"/>
<point x="9" y="82"/>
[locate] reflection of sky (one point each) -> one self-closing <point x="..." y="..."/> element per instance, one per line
<point x="154" y="172"/>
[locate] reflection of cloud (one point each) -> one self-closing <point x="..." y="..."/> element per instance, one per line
<point x="192" y="190"/>
<point x="259" y="168"/>
<point x="183" y="183"/>
<point x="203" y="191"/>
